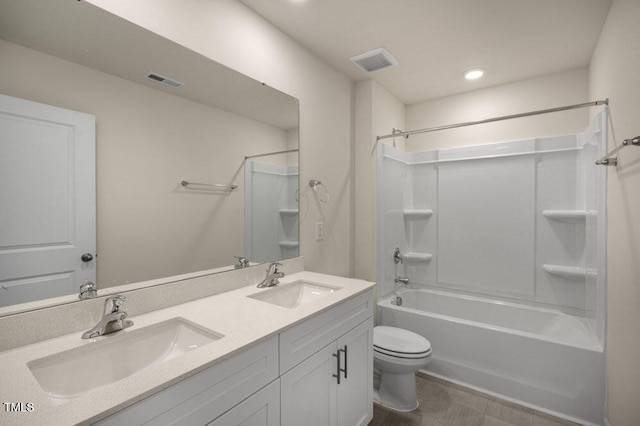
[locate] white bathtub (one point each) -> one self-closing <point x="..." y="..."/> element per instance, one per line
<point x="538" y="357"/>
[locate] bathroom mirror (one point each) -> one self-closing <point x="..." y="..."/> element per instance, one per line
<point x="152" y="136"/>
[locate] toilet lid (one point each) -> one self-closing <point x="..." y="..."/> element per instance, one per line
<point x="393" y="340"/>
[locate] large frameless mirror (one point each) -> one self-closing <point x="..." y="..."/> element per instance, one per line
<point x="196" y="165"/>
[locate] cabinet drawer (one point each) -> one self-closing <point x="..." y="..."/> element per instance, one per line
<point x="307" y="338"/>
<point x="206" y="395"/>
<point x="261" y="408"/>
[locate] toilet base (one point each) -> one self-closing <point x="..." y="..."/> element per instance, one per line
<point x="376" y="400"/>
<point x="397" y="392"/>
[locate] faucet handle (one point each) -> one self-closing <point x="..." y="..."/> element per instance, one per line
<point x="273" y="267"/>
<point x="397" y="256"/>
<point x="88" y="290"/>
<point x="242" y="262"/>
<point x="274" y="274"/>
<point x="112" y="304"/>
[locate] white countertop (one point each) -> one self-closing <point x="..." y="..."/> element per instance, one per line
<point x="243" y="322"/>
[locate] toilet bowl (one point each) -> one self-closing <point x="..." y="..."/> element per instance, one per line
<point x="397" y="355"/>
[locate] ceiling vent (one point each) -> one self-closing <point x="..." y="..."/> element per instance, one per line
<point x="164" y="80"/>
<point x="374" y="60"/>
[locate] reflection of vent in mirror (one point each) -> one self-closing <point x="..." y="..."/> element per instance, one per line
<point x="164" y="80"/>
<point x="374" y="60"/>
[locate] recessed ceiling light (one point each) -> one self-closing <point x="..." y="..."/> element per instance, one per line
<point x="474" y="74"/>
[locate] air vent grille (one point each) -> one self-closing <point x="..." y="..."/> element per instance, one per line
<point x="164" y="80"/>
<point x="374" y="60"/>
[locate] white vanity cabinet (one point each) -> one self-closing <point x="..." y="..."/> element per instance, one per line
<point x="333" y="383"/>
<point x="288" y="379"/>
<point x="206" y="396"/>
<point x="311" y="393"/>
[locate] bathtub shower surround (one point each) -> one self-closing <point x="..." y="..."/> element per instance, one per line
<point x="520" y="226"/>
<point x="537" y="357"/>
<point x="271" y="212"/>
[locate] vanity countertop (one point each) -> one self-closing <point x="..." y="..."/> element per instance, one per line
<point x="242" y="320"/>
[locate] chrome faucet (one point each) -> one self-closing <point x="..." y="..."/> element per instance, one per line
<point x="113" y="319"/>
<point x="402" y="280"/>
<point x="88" y="290"/>
<point x="272" y="276"/>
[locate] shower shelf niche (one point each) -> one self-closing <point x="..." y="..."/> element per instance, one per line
<point x="567" y="216"/>
<point x="417" y="213"/>
<point x="416" y="218"/>
<point x="569" y="272"/>
<point x="288" y="212"/>
<point x="289" y="244"/>
<point x="417" y="257"/>
<point x="288" y="217"/>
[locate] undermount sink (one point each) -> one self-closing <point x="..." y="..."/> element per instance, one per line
<point x="294" y="294"/>
<point x="70" y="374"/>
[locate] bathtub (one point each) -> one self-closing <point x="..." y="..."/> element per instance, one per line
<point x="538" y="357"/>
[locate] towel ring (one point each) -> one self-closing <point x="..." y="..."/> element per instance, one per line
<point x="315" y="184"/>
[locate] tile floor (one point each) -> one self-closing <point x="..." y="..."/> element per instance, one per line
<point x="446" y="404"/>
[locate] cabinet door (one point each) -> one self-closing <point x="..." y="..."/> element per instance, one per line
<point x="260" y="409"/>
<point x="309" y="391"/>
<point x="355" y="391"/>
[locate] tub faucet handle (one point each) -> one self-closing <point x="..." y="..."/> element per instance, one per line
<point x="397" y="257"/>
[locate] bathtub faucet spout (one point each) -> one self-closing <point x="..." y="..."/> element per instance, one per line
<point x="402" y="280"/>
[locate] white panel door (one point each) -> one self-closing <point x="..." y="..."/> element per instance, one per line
<point x="47" y="200"/>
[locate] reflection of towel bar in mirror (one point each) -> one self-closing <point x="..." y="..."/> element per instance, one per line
<point x="208" y="186"/>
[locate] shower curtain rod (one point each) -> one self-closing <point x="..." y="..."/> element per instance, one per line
<point x="271" y="153"/>
<point x="491" y="120"/>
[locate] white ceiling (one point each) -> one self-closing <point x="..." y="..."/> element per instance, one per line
<point x="436" y="41"/>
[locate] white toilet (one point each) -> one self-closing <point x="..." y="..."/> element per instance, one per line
<point x="397" y="355"/>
